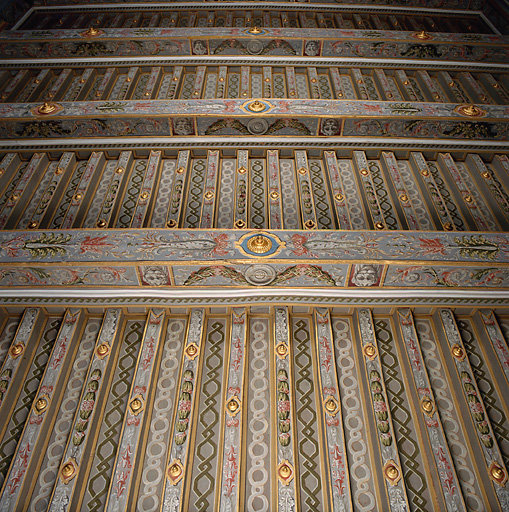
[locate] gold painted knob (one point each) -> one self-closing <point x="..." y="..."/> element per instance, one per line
<point x="32" y="225"/>
<point x="41" y="404"/>
<point x="458" y="352"/>
<point x="281" y="350"/>
<point x="242" y="170"/>
<point x="364" y="172"/>
<point x="331" y="405"/>
<point x="14" y="197"/>
<point x="259" y="244"/>
<point x="101" y="223"/>
<point x="468" y="199"/>
<point x="391" y="472"/>
<point x="78" y="197"/>
<point x="191" y="350"/>
<point x="274" y="195"/>
<point x="47" y="108"/>
<point x="91" y="32"/>
<point x="144" y="195"/>
<point x="103" y="349"/>
<point x="59" y="171"/>
<point x="232" y="405"/>
<point x="136" y="405"/>
<point x="379" y="225"/>
<point x="209" y="194"/>
<point x="339" y="197"/>
<point x="309" y="224"/>
<point x="471" y="110"/>
<point x="67" y="470"/>
<point x="423" y="35"/>
<point x="181" y="170"/>
<point x="256" y="106"/>
<point x="16" y="350"/>
<point x="403" y="198"/>
<point x="370" y="350"/>
<point x="406" y="82"/>
<point x="486" y="175"/>
<point x="497" y="472"/>
<point x="285" y="471"/>
<point x="448" y="226"/>
<point x="424" y="172"/>
<point x="175" y="470"/>
<point x="172" y="223"/>
<point x="254" y="30"/>
<point x="240" y="224"/>
<point x="427" y="405"/>
<point x="302" y="171"/>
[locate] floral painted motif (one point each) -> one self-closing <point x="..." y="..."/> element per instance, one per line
<point x="5" y="378"/>
<point x="140" y="244"/>
<point x="477" y="409"/>
<point x="184" y="407"/>
<point x="86" y="407"/>
<point x="380" y="407"/>
<point x="283" y="408"/>
<point x="232" y="275"/>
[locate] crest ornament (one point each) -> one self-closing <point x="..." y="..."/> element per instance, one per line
<point x="470" y="110"/>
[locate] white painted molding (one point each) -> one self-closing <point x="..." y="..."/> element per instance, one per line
<point x="226" y="293"/>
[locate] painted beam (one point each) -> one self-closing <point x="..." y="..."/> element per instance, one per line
<point x="229" y="41"/>
<point x="216" y="117"/>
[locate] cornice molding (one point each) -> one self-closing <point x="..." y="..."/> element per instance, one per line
<point x="160" y="297"/>
<point x="287" y="6"/>
<point x="345" y="143"/>
<point x="234" y="60"/>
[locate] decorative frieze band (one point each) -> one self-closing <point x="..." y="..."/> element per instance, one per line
<point x="253" y="107"/>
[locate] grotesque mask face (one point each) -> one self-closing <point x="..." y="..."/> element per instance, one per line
<point x="199" y="48"/>
<point x="330" y="127"/>
<point x="312" y="48"/>
<point x="365" y="275"/>
<point x="155" y="276"/>
<point x="182" y="126"/>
